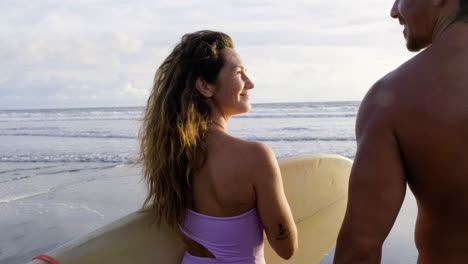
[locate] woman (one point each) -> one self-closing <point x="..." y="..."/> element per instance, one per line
<point x="220" y="191"/>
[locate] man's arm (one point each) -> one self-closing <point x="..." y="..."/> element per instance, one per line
<point x="377" y="184"/>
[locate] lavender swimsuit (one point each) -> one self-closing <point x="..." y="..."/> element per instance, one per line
<point x="235" y="240"/>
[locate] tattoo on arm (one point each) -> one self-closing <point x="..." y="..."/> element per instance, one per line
<point x="283" y="233"/>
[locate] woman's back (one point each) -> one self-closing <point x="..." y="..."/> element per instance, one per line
<point x="224" y="185"/>
<point x="223" y="223"/>
<point x="239" y="176"/>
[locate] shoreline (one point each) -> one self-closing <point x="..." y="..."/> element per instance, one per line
<point x="38" y="224"/>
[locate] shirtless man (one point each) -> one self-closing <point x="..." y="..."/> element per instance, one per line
<point x="412" y="128"/>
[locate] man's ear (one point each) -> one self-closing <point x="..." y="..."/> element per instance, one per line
<point x="204" y="87"/>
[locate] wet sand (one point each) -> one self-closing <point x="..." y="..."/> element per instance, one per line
<point x="37" y="224"/>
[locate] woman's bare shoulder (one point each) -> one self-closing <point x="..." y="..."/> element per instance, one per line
<point x="254" y="155"/>
<point x="252" y="149"/>
<point x="244" y="155"/>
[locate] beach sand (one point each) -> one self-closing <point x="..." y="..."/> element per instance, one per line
<point x="37" y="224"/>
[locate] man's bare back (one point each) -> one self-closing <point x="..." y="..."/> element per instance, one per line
<point x="412" y="129"/>
<point x="431" y="94"/>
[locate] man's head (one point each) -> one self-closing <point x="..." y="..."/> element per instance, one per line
<point x="424" y="19"/>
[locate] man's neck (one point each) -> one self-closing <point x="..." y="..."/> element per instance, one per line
<point x="443" y="24"/>
<point x="455" y="34"/>
<point x="447" y="16"/>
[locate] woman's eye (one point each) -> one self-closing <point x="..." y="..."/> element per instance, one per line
<point x="241" y="71"/>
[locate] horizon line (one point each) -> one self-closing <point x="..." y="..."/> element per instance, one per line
<point x="96" y="107"/>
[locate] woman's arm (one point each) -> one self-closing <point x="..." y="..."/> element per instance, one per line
<point x="272" y="205"/>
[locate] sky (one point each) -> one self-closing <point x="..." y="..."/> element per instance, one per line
<point x="104" y="53"/>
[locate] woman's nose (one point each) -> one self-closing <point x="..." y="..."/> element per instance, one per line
<point x="248" y="83"/>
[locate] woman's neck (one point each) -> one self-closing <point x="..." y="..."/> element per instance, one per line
<point x="219" y="121"/>
<point x="219" y="125"/>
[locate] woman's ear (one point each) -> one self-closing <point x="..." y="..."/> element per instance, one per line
<point x="204" y="87"/>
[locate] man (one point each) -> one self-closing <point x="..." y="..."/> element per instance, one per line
<point x="412" y="128"/>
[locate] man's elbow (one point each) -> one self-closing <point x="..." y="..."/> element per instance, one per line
<point x="352" y="251"/>
<point x="355" y="255"/>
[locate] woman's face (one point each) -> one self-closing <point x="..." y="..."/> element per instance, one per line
<point x="232" y="87"/>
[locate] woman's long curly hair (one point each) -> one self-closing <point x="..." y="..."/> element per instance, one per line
<point x="175" y="123"/>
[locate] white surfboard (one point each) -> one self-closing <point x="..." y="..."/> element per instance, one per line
<point x="316" y="187"/>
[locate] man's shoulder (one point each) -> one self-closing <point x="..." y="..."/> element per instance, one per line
<point x="404" y="75"/>
<point x="397" y="88"/>
<point x="389" y="98"/>
<point x="386" y="93"/>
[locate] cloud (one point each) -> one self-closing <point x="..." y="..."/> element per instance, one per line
<point x="105" y="53"/>
<point x="130" y="90"/>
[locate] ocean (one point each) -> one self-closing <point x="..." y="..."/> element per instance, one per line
<point x="66" y="172"/>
